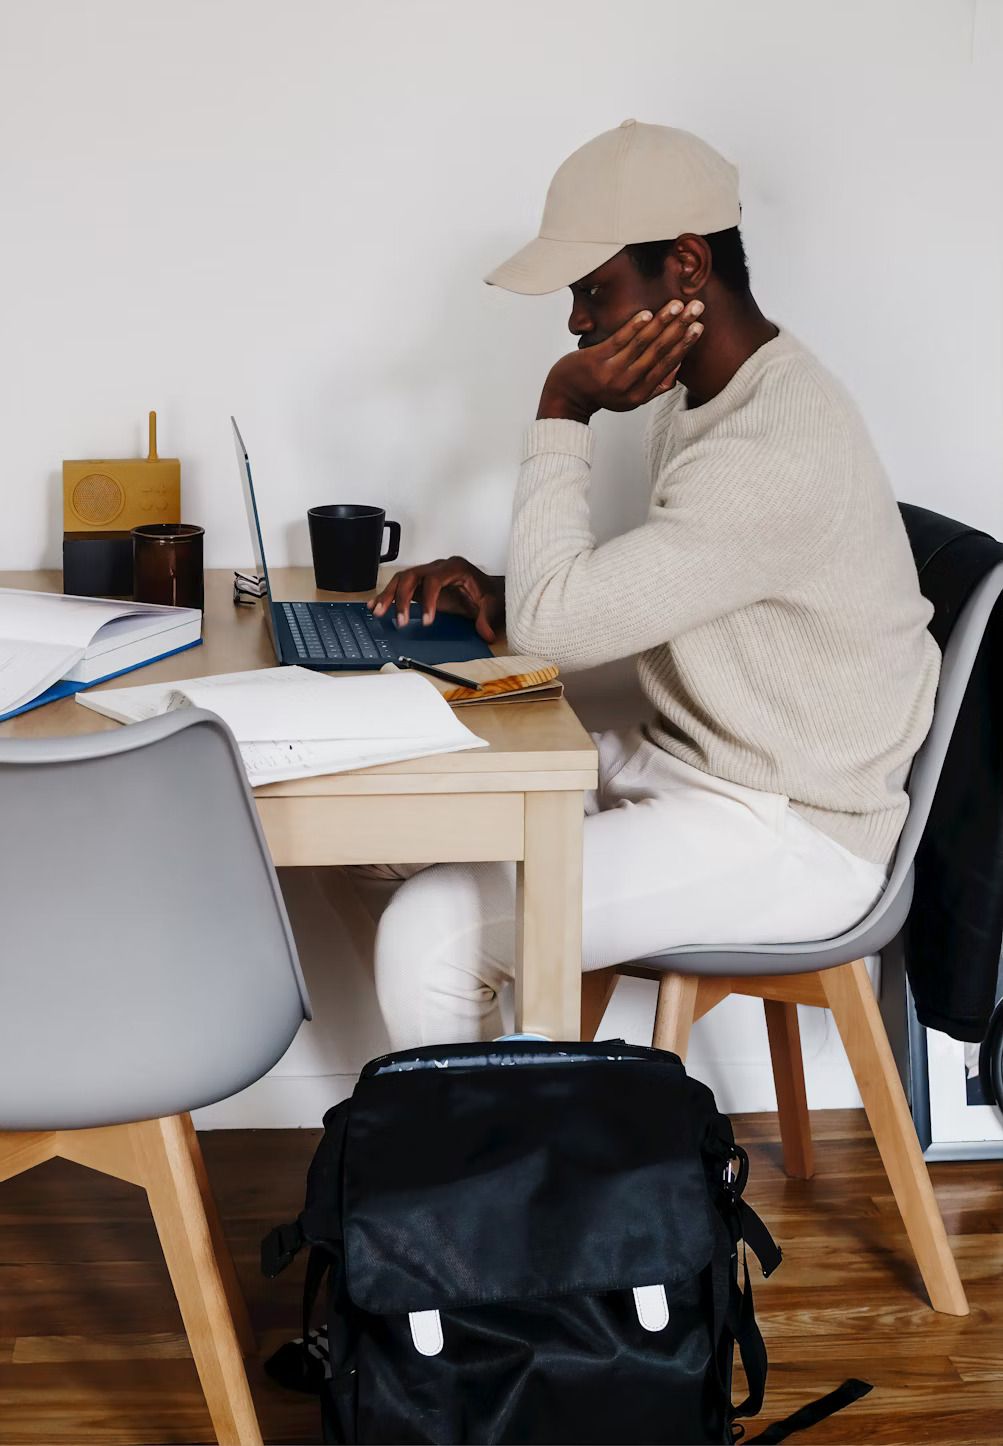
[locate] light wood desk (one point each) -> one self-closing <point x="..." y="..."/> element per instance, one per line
<point x="520" y="799"/>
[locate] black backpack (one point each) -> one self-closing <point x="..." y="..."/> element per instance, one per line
<point x="529" y="1242"/>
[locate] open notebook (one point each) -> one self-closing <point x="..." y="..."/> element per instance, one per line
<point x="293" y="723"/>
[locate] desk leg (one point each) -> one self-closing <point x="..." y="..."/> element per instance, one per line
<point x="548" y="974"/>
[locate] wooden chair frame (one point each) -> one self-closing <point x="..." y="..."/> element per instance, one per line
<point x="846" y="990"/>
<point x="163" y="1157"/>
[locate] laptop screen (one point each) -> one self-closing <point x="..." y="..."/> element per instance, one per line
<point x="253" y="522"/>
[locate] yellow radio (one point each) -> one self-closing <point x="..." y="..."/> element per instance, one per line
<point x="117" y="495"/>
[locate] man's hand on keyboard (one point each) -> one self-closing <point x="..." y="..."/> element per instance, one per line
<point x="452" y="583"/>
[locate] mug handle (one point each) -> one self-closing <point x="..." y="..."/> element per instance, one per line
<point x="395" y="542"/>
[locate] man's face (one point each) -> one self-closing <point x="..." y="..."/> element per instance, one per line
<point x="611" y="295"/>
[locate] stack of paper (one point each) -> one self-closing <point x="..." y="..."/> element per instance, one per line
<point x="293" y="723"/>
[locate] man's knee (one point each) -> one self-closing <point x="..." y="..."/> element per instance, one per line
<point x="433" y="980"/>
<point x="414" y="929"/>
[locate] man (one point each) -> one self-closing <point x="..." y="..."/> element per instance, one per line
<point x="770" y="597"/>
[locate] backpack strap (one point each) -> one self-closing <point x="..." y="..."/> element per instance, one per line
<point x="758" y="1238"/>
<point x="318" y="1262"/>
<point x="815" y="1411"/>
<point x="305" y="1364"/>
<point x="319" y="1222"/>
<point x="742" y="1322"/>
<point x="740" y="1313"/>
<point x="741" y="1319"/>
<point x="280" y="1248"/>
<point x="300" y="1365"/>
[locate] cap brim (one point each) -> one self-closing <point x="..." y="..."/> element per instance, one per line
<point x="545" y="265"/>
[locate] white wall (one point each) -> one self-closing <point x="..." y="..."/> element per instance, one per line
<point x="284" y="210"/>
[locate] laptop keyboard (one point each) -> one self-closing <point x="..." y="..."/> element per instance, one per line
<point x="332" y="634"/>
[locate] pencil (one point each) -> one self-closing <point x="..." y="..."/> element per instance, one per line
<point x="440" y="673"/>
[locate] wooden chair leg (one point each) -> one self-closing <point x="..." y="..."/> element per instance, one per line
<point x="22" y="1150"/>
<point x="677" y="1001"/>
<point x="228" y="1273"/>
<point x="792" y="1098"/>
<point x="163" y="1151"/>
<point x="851" y="998"/>
<point x="598" y="986"/>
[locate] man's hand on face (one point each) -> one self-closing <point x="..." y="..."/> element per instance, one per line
<point x="452" y="582"/>
<point x="637" y="363"/>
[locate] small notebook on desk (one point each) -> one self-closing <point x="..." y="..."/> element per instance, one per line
<point x="52" y="644"/>
<point x="520" y="678"/>
<point x="294" y="723"/>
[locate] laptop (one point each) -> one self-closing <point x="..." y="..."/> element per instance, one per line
<point x="325" y="635"/>
<point x="346" y="635"/>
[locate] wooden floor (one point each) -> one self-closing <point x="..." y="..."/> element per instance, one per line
<point x="91" y="1348"/>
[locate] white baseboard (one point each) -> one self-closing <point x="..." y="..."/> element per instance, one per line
<point x="278" y="1102"/>
<point x="728" y="1050"/>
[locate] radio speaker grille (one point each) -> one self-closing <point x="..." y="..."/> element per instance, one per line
<point x="97" y="499"/>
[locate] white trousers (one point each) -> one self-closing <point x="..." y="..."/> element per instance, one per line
<point x="672" y="856"/>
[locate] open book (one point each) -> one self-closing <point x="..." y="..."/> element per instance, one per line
<point x="48" y="638"/>
<point x="293" y="723"/>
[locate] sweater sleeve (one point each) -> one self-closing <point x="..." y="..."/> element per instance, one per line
<point x="728" y="524"/>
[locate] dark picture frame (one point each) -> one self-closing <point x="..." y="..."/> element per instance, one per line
<point x="952" y="1118"/>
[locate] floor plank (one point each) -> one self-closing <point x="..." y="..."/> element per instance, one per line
<point x="139" y="1346"/>
<point x="92" y="1349"/>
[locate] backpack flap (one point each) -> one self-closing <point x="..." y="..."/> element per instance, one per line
<point x="467" y="1185"/>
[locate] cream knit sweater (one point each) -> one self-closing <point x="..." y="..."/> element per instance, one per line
<point x="771" y="594"/>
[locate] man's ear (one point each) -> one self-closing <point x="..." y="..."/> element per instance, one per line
<point x="693" y="264"/>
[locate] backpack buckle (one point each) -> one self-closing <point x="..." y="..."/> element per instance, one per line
<point x="735" y="1179"/>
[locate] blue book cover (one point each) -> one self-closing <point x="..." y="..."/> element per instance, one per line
<point x="65" y="689"/>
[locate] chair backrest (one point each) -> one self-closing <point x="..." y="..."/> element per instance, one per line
<point x="889" y="914"/>
<point x="147" y="965"/>
<point x="955" y="671"/>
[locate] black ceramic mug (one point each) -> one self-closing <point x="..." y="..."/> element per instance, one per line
<point x="347" y="543"/>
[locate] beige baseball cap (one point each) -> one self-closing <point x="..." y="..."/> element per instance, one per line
<point x="637" y="183"/>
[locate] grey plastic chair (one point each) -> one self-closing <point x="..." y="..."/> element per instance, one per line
<point x="147" y="968"/>
<point x="832" y="973"/>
